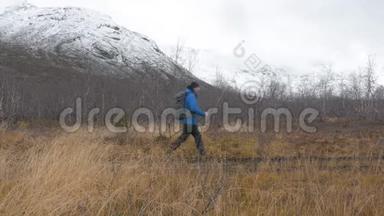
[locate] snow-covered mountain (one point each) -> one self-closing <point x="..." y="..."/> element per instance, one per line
<point x="84" y="40"/>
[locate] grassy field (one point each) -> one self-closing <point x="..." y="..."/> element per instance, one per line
<point x="338" y="171"/>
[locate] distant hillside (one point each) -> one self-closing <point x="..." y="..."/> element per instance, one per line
<point x="49" y="56"/>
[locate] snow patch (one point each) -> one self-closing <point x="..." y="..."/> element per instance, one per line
<point x="71" y="33"/>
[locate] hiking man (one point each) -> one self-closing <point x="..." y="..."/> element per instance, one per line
<point x="189" y="121"/>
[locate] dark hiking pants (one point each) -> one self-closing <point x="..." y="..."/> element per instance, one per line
<point x="190" y="130"/>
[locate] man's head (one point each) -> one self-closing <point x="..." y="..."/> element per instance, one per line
<point x="194" y="86"/>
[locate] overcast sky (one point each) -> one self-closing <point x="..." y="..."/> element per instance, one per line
<point x="296" y="34"/>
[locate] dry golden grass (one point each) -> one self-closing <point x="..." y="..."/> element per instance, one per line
<point x="53" y="173"/>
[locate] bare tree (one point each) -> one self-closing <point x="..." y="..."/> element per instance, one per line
<point x="191" y="59"/>
<point x="379" y="93"/>
<point x="369" y="76"/>
<point x="369" y="82"/>
<point x="2" y="97"/>
<point x="220" y="80"/>
<point x="178" y="52"/>
<point x="325" y="87"/>
<point x="355" y="89"/>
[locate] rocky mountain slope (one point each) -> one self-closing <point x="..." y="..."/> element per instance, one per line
<point x="51" y="56"/>
<point x="84" y="40"/>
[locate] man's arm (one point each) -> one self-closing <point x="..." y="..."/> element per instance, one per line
<point x="192" y="105"/>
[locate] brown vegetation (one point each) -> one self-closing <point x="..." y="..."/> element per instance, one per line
<point x="48" y="172"/>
